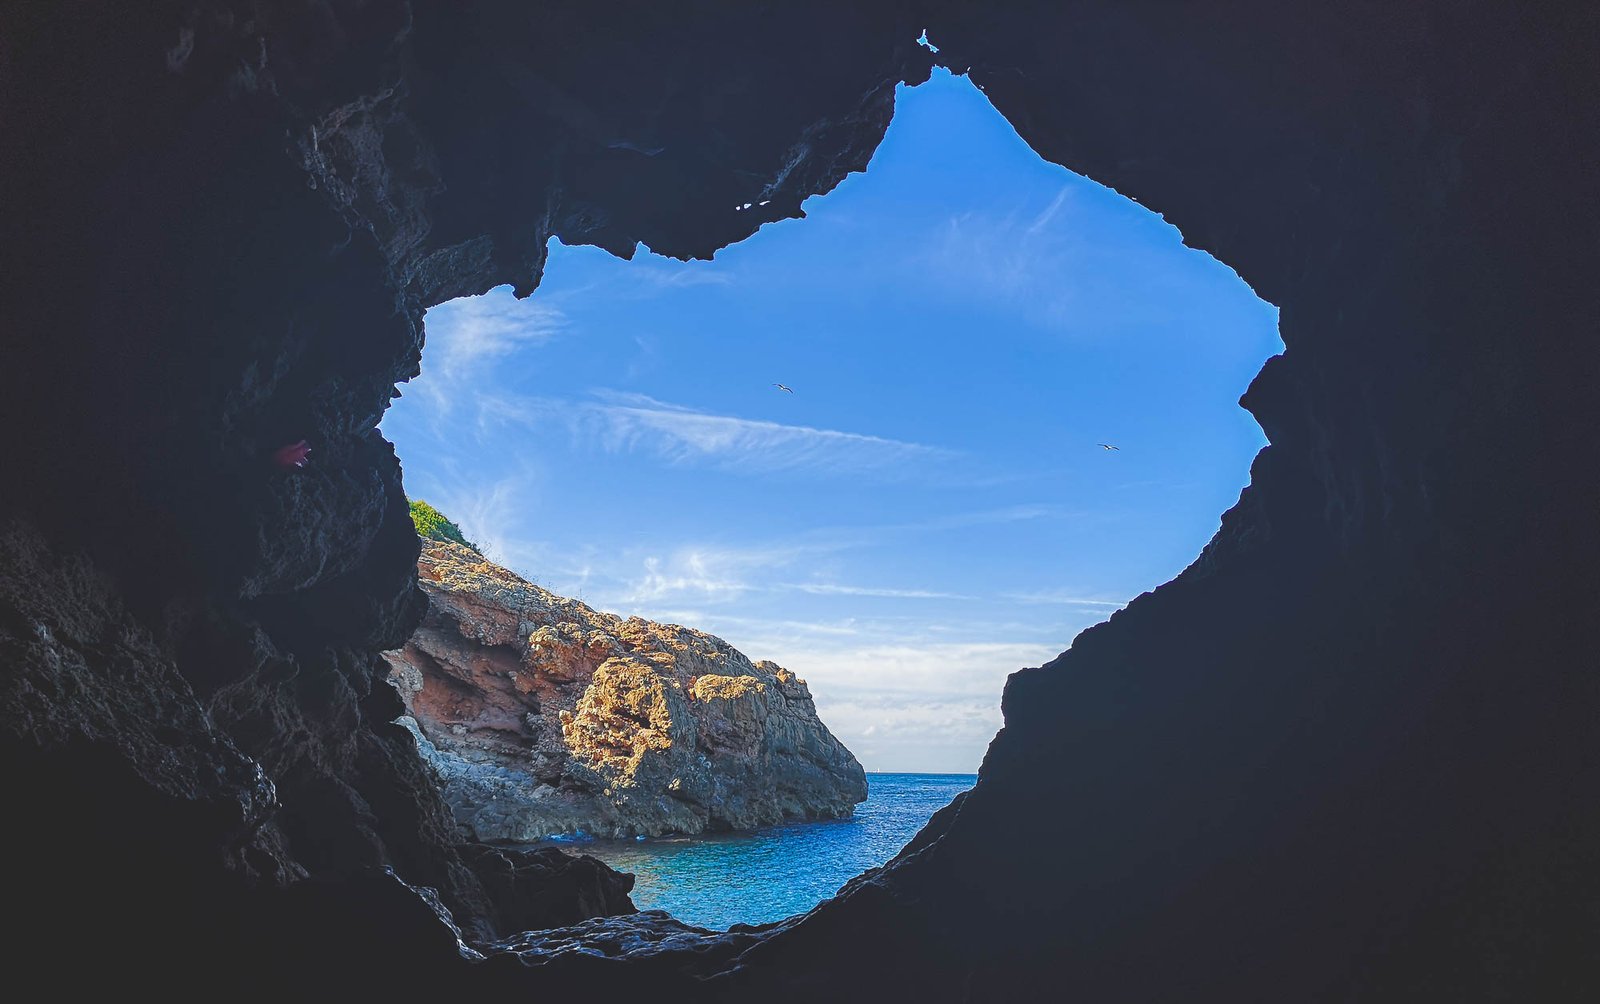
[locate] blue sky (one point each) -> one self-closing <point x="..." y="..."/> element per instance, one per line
<point x="929" y="510"/>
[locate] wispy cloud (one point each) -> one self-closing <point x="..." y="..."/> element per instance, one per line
<point x="677" y="275"/>
<point x="706" y="574"/>
<point x="466" y="334"/>
<point x="1021" y="256"/>
<point x="834" y="589"/>
<point x="1062" y="598"/>
<point x="722" y="574"/>
<point x="1043" y="219"/>
<point x="490" y="513"/>
<point x="1008" y="257"/>
<point x="703" y="577"/>
<point x="636" y="423"/>
<point x="1018" y="257"/>
<point x="984" y="517"/>
<point x="621" y="422"/>
<point x="724" y="625"/>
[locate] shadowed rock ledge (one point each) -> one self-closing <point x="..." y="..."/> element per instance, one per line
<point x="542" y="716"/>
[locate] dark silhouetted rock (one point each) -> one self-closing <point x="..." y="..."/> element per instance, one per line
<point x="541" y="888"/>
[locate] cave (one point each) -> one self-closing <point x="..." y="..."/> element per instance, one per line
<point x="1347" y="754"/>
<point x="924" y="506"/>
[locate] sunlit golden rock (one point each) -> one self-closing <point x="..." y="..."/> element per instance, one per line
<point x="543" y="716"/>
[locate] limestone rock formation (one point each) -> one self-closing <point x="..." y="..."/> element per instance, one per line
<point x="542" y="716"/>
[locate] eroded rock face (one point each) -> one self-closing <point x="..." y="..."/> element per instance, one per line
<point x="543" y="716"/>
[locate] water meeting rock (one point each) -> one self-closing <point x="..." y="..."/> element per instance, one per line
<point x="542" y="716"/>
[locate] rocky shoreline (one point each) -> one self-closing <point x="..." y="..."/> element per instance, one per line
<point x="541" y="716"/>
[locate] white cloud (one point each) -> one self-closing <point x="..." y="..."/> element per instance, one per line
<point x="630" y="422"/>
<point x="697" y="581"/>
<point x="725" y="625"/>
<point x="1018" y="257"/>
<point x="635" y="423"/>
<point x="1063" y="598"/>
<point x="910" y="704"/>
<point x="963" y="520"/>
<point x="488" y="514"/>
<point x="703" y="573"/>
<point x="1043" y="219"/>
<point x="834" y="589"/>
<point x="1000" y="255"/>
<point x="930" y="737"/>
<point x="467" y="335"/>
<point x="677" y="275"/>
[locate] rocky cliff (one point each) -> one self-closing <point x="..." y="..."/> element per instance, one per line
<point x="542" y="716"/>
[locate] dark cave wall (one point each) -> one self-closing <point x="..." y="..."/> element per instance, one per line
<point x="221" y="232"/>
<point x="1347" y="755"/>
<point x="1340" y="757"/>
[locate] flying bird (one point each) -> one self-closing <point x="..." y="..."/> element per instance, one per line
<point x="1108" y="446"/>
<point x="786" y="390"/>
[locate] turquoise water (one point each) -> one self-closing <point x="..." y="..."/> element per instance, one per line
<point x="765" y="875"/>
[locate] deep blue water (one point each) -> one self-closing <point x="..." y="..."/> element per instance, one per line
<point x="765" y="875"/>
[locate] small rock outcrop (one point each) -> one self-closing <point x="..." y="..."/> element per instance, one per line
<point x="542" y="716"/>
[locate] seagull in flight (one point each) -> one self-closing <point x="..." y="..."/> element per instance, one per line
<point x="1108" y="446"/>
<point x="786" y="390"/>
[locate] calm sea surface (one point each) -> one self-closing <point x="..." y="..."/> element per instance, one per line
<point x="765" y="875"/>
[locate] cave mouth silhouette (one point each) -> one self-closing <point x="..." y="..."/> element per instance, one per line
<point x="932" y="505"/>
<point x="1344" y="755"/>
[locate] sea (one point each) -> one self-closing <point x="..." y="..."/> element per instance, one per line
<point x="759" y="876"/>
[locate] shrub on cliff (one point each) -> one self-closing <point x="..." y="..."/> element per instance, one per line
<point x="434" y="525"/>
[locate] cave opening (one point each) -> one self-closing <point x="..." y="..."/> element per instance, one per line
<point x="1344" y="755"/>
<point x="971" y="405"/>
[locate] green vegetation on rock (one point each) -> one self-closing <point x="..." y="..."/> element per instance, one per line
<point x="434" y="525"/>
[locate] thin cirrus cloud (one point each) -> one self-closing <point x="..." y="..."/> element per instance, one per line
<point x="490" y="512"/>
<point x="1062" y="598"/>
<point x="635" y="423"/>
<point x="655" y="277"/>
<point x="718" y="574"/>
<point x="710" y="574"/>
<point x="836" y="589"/>
<point x="467" y="335"/>
<point x="1015" y="255"/>
<point x="1042" y="220"/>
